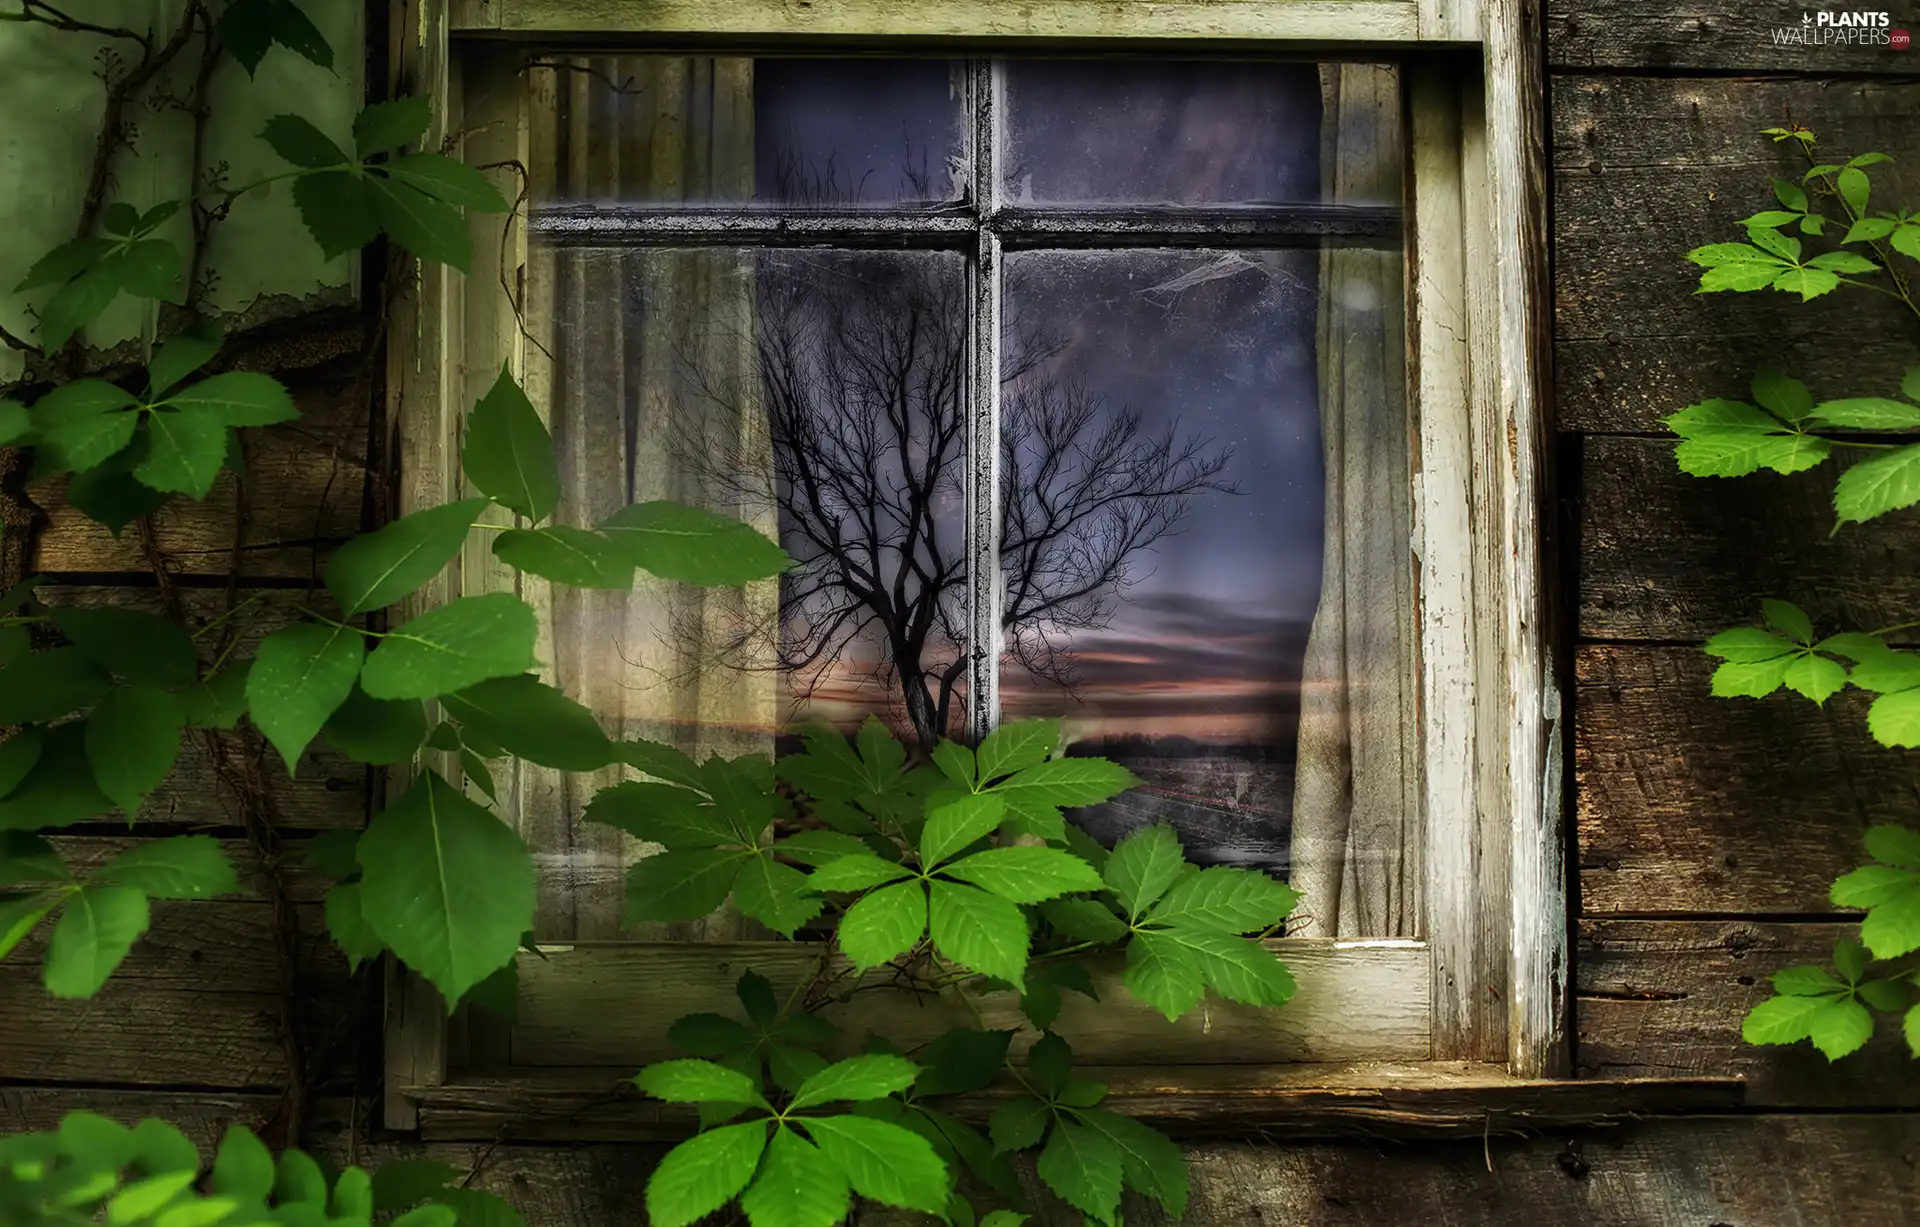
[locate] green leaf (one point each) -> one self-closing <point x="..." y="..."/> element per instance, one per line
<point x="298" y="1179"/>
<point x="1893" y="928"/>
<point x="26" y="857"/>
<point x="675" y="886"/>
<point x="1750" y="645"/>
<point x="1774" y="243"/>
<point x="979" y="931"/>
<point x="48" y="685"/>
<point x="1017" y="746"/>
<point x="830" y="770"/>
<point x="1850" y="959"/>
<point x="819" y="847"/>
<point x="1815" y="677"/>
<point x="1906" y="240"/>
<point x="1162" y="972"/>
<point x="1150" y="1160"/>
<point x="377" y="731"/>
<point x="1885" y="671"/>
<point x="1027" y="874"/>
<point x="133" y="737"/>
<point x="352" y="1194"/>
<point x="1894" y="719"/>
<point x="708" y="1035"/>
<point x="249" y="28"/>
<point x="1840" y="1026"/>
<point x="1084" y="1167"/>
<point x="856" y="873"/>
<point x="1808" y="283"/>
<point x="447" y="179"/>
<point x="1716" y="416"/>
<point x="690" y="1081"/>
<point x="1889" y="996"/>
<point x="94" y="934"/>
<point x="80" y="301"/>
<point x="297" y="141"/>
<point x="1894" y="845"/>
<point x="59" y="790"/>
<point x="958" y="822"/>
<point x="694" y="546"/>
<point x="1018" y="1124"/>
<point x="508" y="454"/>
<point x="184" y="454"/>
<point x="83" y="423"/>
<point x="571" y="556"/>
<point x="874" y="1076"/>
<point x="1143" y="866"/>
<point x="1086" y="920"/>
<point x="1843" y="262"/>
<point x="660" y="761"/>
<point x="109" y="495"/>
<point x="1886" y="482"/>
<point x="704" y="1173"/>
<point x="1789" y="619"/>
<point x="1772" y="218"/>
<point x="1226" y="900"/>
<point x="447" y="886"/>
<point x="429" y="1215"/>
<point x="778" y="896"/>
<point x="399" y="1183"/>
<point x="1065" y="782"/>
<point x="424" y="226"/>
<point x="1869" y="413"/>
<point x="347" y="924"/>
<point x="1807" y="981"/>
<point x="1235" y="967"/>
<point x="1720" y="255"/>
<point x="529" y="719"/>
<point x="64" y="263"/>
<point x="337" y="207"/>
<point x="956" y="762"/>
<point x="884" y="924"/>
<point x="15" y="421"/>
<point x="182" y="354"/>
<point x="21" y="914"/>
<point x="1751" y="681"/>
<point x="660" y="813"/>
<point x="1872" y="885"/>
<point x="243" y="1167"/>
<point x="219" y="701"/>
<point x="1910" y="1027"/>
<point x="1868" y="229"/>
<point x="181" y="867"/>
<point x="300" y="677"/>
<point x="237" y="398"/>
<point x="883" y="1162"/>
<point x="1738" y="453"/>
<point x="797" y="1186"/>
<point x="145" y="1198"/>
<point x="140" y="647"/>
<point x="151" y="269"/>
<point x="1910" y="384"/>
<point x="389" y="125"/>
<point x="1790" y="194"/>
<point x="1853" y="187"/>
<point x="962" y="1060"/>
<point x="457" y="645"/>
<point x="376" y="569"/>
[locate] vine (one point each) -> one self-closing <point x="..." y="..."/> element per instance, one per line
<point x="957" y="874"/>
<point x="1784" y="429"/>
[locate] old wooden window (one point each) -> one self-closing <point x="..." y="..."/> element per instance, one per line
<point x="1178" y="379"/>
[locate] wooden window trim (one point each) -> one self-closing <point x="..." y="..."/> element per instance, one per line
<point x="1491" y="974"/>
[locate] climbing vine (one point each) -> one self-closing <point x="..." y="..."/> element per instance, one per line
<point x="958" y="873"/>
<point x="1785" y="429"/>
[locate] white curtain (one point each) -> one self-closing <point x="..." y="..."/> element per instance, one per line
<point x="1355" y="807"/>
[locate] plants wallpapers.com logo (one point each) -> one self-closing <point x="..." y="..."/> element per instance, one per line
<point x="1871" y="30"/>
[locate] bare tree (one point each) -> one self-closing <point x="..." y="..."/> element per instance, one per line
<point x="862" y="361"/>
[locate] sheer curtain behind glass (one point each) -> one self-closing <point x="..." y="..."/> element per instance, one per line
<point x="1355" y="804"/>
<point x="631" y="333"/>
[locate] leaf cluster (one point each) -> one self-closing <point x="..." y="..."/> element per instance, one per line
<point x="93" y="1169"/>
<point x="1757" y="661"/>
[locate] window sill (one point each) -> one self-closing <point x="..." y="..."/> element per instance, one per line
<point x="1422" y="1099"/>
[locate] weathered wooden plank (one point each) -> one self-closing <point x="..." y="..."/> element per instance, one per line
<point x="1666" y="556"/>
<point x="1645" y="170"/>
<point x="1720" y="35"/>
<point x="1028" y="20"/>
<point x="1749" y="1171"/>
<point x="600" y="1005"/>
<point x="84" y="854"/>
<point x="1666" y="998"/>
<point x="203" y="944"/>
<point x="1430" y="1099"/>
<point x="308" y="484"/>
<point x="1692" y="804"/>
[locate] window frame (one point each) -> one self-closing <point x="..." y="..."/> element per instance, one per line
<point x="1482" y="997"/>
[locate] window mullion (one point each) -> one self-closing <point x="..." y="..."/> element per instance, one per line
<point x="983" y="407"/>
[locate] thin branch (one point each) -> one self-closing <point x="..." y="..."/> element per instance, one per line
<point x="40" y="13"/>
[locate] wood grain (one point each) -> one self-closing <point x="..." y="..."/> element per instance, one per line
<point x="1691" y="804"/>
<point x="1666" y="998"/>
<point x="1647" y="169"/>
<point x="308" y="484"/>
<point x="1027" y="20"/>
<point x="1430" y="1099"/>
<point x="1722" y="35"/>
<point x="1665" y="556"/>
<point x="601" y="1005"/>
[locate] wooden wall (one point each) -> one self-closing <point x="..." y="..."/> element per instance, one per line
<point x="1706" y="830"/>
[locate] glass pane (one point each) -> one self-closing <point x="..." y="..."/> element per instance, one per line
<point x="732" y="130"/>
<point x="1198" y="133"/>
<point x="1166" y="522"/>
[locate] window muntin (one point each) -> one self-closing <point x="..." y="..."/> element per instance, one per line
<point x="1246" y="324"/>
